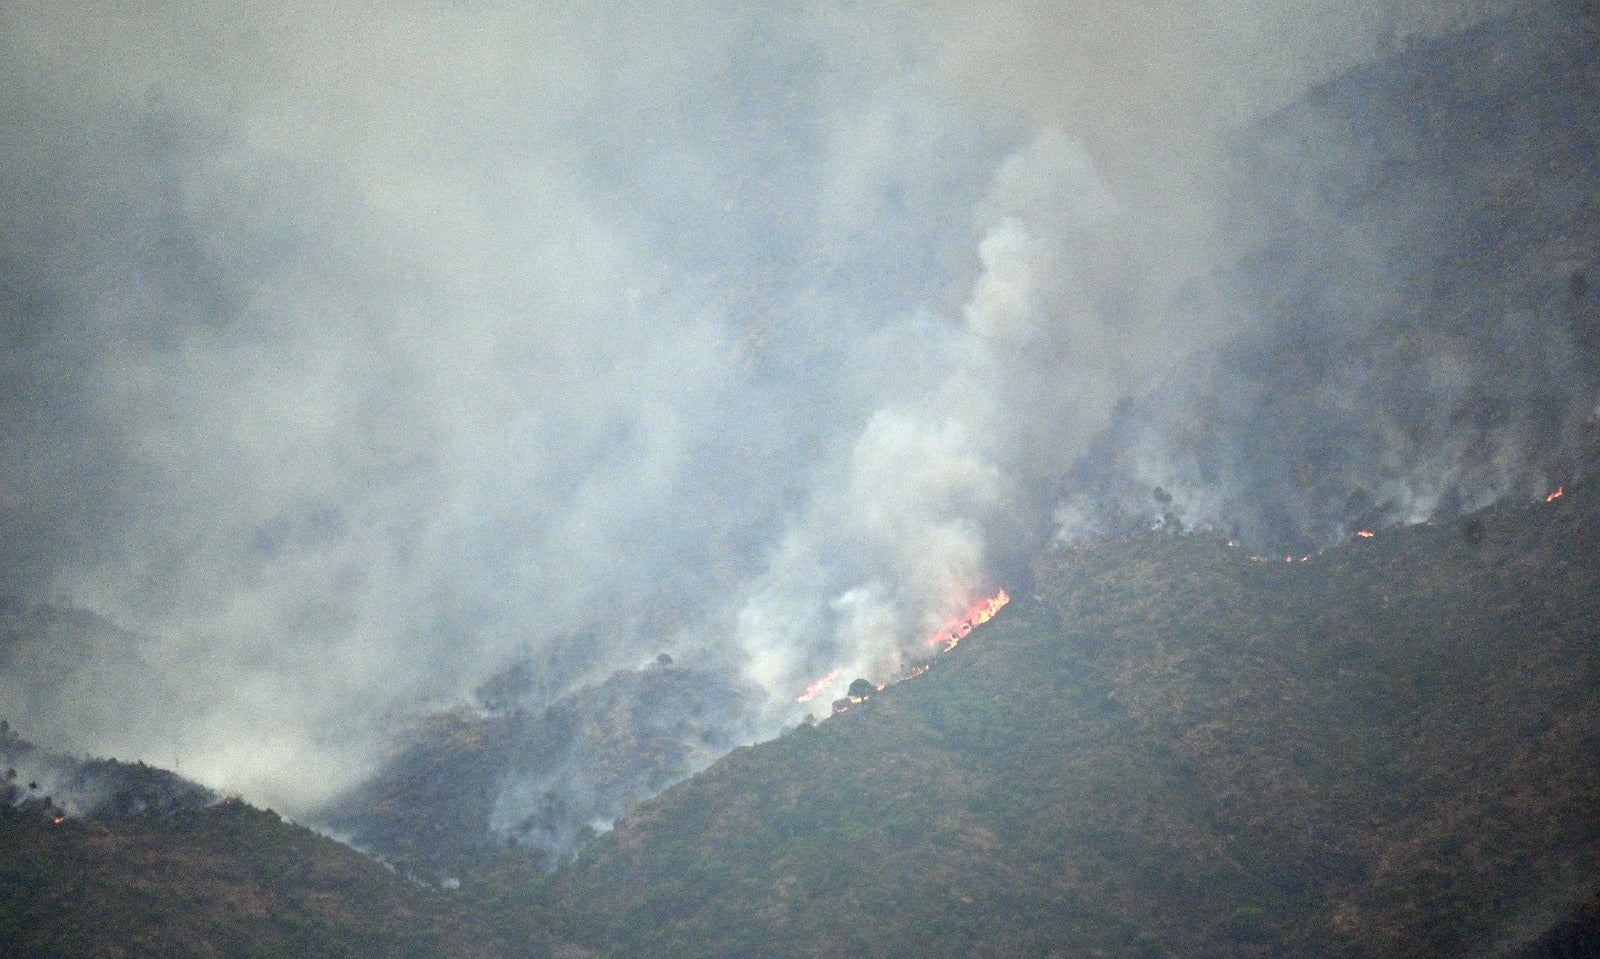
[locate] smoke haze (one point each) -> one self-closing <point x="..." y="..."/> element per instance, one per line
<point x="351" y="354"/>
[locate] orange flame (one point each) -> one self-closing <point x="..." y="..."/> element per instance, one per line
<point x="816" y="688"/>
<point x="1365" y="533"/>
<point x="944" y="640"/>
<point x="1560" y="492"/>
<point x="976" y="615"/>
<point x="1286" y="559"/>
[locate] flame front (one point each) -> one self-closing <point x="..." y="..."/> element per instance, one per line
<point x="816" y="688"/>
<point x="944" y="640"/>
<point x="1560" y="492"/>
<point x="976" y="615"/>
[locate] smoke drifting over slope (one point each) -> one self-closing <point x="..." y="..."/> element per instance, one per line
<point x="1421" y="335"/>
<point x="349" y="356"/>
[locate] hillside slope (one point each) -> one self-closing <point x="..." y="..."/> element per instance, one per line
<point x="474" y="781"/>
<point x="1169" y="750"/>
<point x="1420" y="317"/>
<point x="223" y="881"/>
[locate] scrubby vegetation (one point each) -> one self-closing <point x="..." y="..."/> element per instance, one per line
<point x="228" y="880"/>
<point x="1169" y="750"/>
<point x="1161" y="748"/>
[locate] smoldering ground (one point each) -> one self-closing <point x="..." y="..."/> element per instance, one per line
<point x="352" y="354"/>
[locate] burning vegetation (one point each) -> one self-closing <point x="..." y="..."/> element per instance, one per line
<point x="1063" y="760"/>
<point x="946" y="638"/>
<point x="951" y="635"/>
<point x="817" y="688"/>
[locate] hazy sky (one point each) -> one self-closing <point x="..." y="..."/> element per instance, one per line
<point x="350" y="350"/>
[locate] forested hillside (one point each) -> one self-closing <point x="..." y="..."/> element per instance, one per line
<point x="1166" y="748"/>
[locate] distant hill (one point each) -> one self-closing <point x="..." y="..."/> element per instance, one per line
<point x="1418" y="303"/>
<point x="1168" y="749"/>
<point x="225" y="880"/>
<point x="105" y="858"/>
<point x="57" y="663"/>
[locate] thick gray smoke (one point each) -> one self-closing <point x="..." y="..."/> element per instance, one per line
<point x="1421" y="335"/>
<point x="54" y="785"/>
<point x="349" y="354"/>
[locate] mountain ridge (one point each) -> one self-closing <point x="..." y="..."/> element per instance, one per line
<point x="1162" y="747"/>
<point x="1331" y="797"/>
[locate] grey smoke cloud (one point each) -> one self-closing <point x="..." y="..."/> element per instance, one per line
<point x="350" y="352"/>
<point x="1155" y="89"/>
<point x="1421" y="327"/>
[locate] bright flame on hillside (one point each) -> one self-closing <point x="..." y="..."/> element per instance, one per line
<point x="1560" y="492"/>
<point x="912" y="673"/>
<point x="944" y="640"/>
<point x="816" y="688"/>
<point x="1365" y="533"/>
<point x="976" y="615"/>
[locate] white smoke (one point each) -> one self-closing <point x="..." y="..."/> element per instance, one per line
<point x="904" y="534"/>
<point x="349" y="352"/>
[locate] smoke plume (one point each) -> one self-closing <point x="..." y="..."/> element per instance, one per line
<point x="1418" y="337"/>
<point x="350" y="355"/>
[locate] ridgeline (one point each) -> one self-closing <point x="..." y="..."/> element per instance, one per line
<point x="1166" y="749"/>
<point x="1161" y="748"/>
